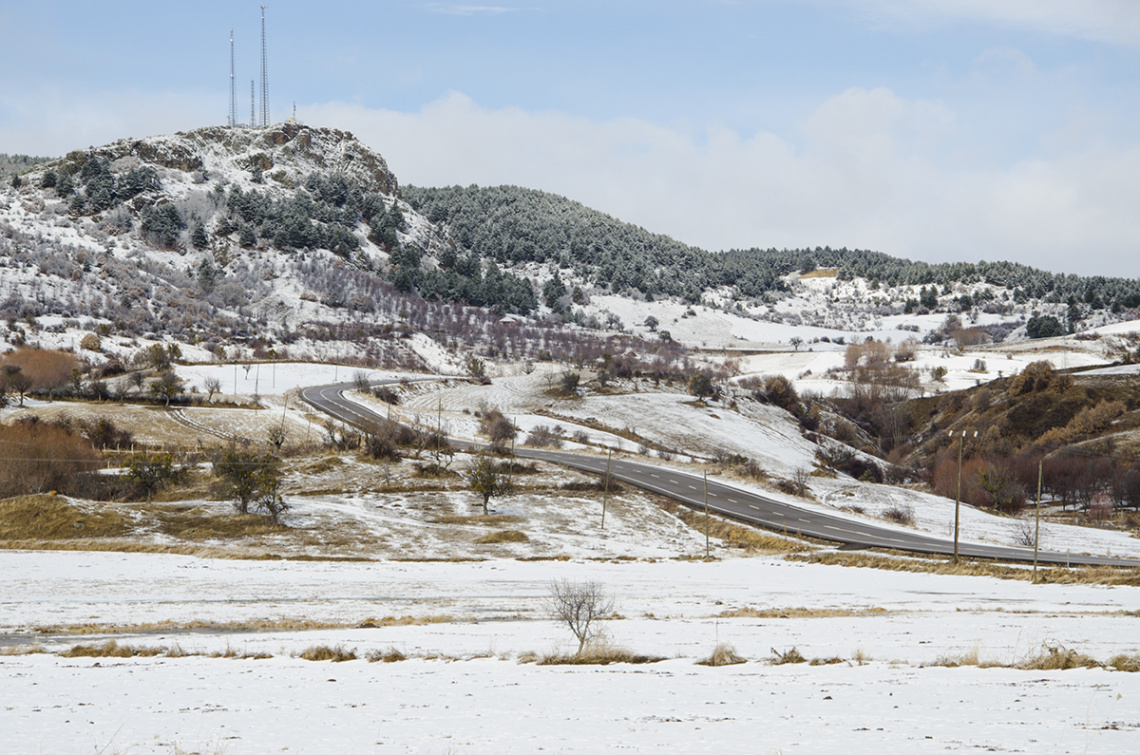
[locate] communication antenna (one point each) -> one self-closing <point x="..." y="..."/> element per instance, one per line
<point x="233" y="84"/>
<point x="264" y="74"/>
<point x="252" y="106"/>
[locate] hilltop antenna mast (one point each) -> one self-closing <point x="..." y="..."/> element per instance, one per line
<point x="233" y="84"/>
<point x="252" y="106"/>
<point x="264" y="74"/>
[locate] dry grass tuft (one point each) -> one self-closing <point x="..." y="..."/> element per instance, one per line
<point x="971" y="657"/>
<point x="109" y="649"/>
<point x="32" y="649"/>
<point x="391" y="655"/>
<point x="326" y="653"/>
<point x="792" y="655"/>
<point x="404" y="621"/>
<point x="723" y="655"/>
<point x="1126" y="663"/>
<point x="833" y="660"/>
<point x="800" y="613"/>
<point x="50" y="517"/>
<point x="1059" y="658"/>
<point x="597" y="653"/>
<point x="230" y="652"/>
<point x="503" y="536"/>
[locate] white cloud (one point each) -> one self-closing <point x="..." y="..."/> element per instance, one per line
<point x="467" y="10"/>
<point x="1111" y="21"/>
<point x="869" y="174"/>
<point x="53" y="121"/>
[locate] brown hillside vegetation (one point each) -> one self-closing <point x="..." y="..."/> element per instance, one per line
<point x="51" y="517"/>
<point x="47" y="369"/>
<point x="37" y="457"/>
<point x="1082" y="430"/>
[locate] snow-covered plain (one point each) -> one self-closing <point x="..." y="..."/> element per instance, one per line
<point x="466" y="685"/>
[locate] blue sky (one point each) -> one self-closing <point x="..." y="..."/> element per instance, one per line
<point x="932" y="129"/>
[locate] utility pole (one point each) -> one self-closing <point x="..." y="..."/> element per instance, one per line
<point x="958" y="497"/>
<point x="1037" y="528"/>
<point x="706" y="514"/>
<point x="606" y="489"/>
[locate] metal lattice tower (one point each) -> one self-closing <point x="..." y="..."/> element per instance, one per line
<point x="233" y="84"/>
<point x="252" y="106"/>
<point x="264" y="73"/>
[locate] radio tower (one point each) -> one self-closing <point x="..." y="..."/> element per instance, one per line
<point x="252" y="106"/>
<point x="264" y="74"/>
<point x="233" y="84"/>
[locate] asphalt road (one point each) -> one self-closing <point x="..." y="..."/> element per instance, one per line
<point x="731" y="501"/>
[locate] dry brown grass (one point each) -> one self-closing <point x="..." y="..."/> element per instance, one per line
<point x="831" y="661"/>
<point x="800" y="613"/>
<point x="723" y="654"/>
<point x="792" y="655"/>
<point x="50" y="517"/>
<point x="391" y="655"/>
<point x="487" y="520"/>
<point x="402" y="621"/>
<point x="597" y="654"/>
<point x="823" y="272"/>
<point x="737" y="535"/>
<point x="195" y="523"/>
<point x="971" y="657"/>
<point x="1092" y="575"/>
<point x="1126" y="663"/>
<point x="30" y="649"/>
<point x="234" y="627"/>
<point x="230" y="652"/>
<point x="1058" y="658"/>
<point x="336" y="654"/>
<point x="320" y="466"/>
<point x="503" y="536"/>
<point x="110" y="649"/>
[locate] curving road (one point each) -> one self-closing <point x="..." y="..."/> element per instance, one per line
<point x="734" y="502"/>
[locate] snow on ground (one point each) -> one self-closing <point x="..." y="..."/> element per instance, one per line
<point x="465" y="689"/>
<point x="766" y="435"/>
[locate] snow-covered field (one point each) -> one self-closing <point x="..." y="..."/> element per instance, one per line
<point x="466" y="685"/>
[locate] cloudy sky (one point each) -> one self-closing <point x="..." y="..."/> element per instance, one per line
<point x="930" y="129"/>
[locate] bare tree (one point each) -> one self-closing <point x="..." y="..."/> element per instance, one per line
<point x="213" y="385"/>
<point x="578" y="605"/>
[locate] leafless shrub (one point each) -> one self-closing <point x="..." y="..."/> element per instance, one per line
<point x="1025" y="533"/>
<point x="792" y="655"/>
<point x="543" y="436"/>
<point x="578" y="606"/>
<point x="900" y="514"/>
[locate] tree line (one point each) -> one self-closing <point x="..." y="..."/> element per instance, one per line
<point x="514" y="225"/>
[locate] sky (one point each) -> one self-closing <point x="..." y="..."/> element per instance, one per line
<point x="930" y="129"/>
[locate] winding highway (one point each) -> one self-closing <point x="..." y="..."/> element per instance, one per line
<point x="728" y="500"/>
